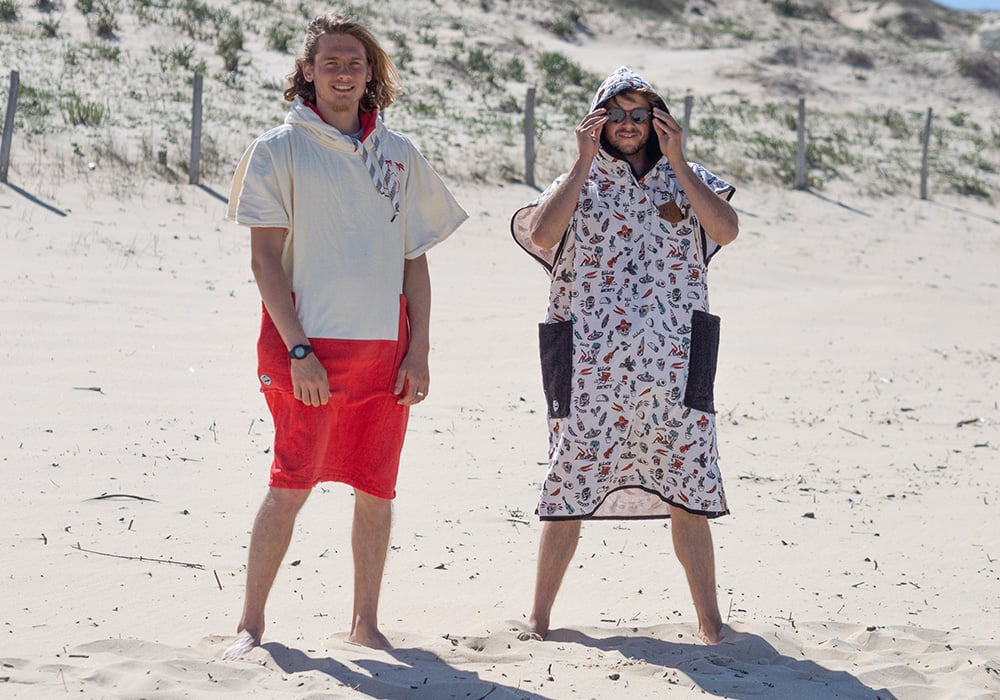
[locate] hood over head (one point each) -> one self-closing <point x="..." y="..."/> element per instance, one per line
<point x="625" y="79"/>
<point x="620" y="81"/>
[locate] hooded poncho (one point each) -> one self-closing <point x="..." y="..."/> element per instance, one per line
<point x="337" y="196"/>
<point x="628" y="346"/>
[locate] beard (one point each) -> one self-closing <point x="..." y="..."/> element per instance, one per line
<point x="651" y="146"/>
<point x="341" y="106"/>
<point x="335" y="101"/>
<point x="338" y="102"/>
<point x="632" y="149"/>
<point x="620" y="153"/>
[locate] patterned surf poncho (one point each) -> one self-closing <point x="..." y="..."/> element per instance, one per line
<point x="628" y="345"/>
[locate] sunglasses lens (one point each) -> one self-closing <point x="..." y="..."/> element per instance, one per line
<point x="617" y="116"/>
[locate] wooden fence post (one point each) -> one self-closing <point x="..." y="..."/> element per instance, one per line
<point x="686" y="124"/>
<point x="529" y="137"/>
<point x="923" y="162"/>
<point x="801" y="181"/>
<point x="194" y="165"/>
<point x="8" y="124"/>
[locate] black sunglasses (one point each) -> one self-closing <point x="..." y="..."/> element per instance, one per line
<point x="617" y="116"/>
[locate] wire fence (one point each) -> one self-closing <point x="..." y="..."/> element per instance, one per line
<point x="801" y="165"/>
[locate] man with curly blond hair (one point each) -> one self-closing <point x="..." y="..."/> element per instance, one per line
<point x="341" y="212"/>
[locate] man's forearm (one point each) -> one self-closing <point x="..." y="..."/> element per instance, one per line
<point x="272" y="282"/>
<point x="554" y="214"/>
<point x="417" y="290"/>
<point x="715" y="214"/>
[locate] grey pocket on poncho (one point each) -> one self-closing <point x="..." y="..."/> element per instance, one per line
<point x="702" y="361"/>
<point x="555" y="344"/>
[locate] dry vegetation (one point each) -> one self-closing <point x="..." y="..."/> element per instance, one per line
<point x="106" y="84"/>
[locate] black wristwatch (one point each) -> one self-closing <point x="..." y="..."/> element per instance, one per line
<point x="300" y="351"/>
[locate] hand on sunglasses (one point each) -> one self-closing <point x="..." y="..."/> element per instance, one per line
<point x="669" y="134"/>
<point x="588" y="133"/>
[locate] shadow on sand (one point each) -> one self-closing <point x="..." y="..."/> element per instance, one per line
<point x="965" y="212"/>
<point x="742" y="666"/>
<point x="35" y="200"/>
<point x="958" y="210"/>
<point x="208" y="190"/>
<point x="418" y="674"/>
<point x="839" y="204"/>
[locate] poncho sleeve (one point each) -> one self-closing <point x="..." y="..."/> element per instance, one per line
<point x="261" y="191"/>
<point x="714" y="182"/>
<point x="429" y="210"/>
<point x="521" y="224"/>
<point x="721" y="188"/>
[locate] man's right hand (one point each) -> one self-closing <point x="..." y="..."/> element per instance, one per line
<point x="310" y="381"/>
<point x="588" y="134"/>
<point x="548" y="225"/>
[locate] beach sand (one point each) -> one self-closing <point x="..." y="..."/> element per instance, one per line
<point x="857" y="390"/>
<point x="858" y="386"/>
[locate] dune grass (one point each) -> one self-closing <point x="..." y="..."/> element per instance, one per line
<point x="465" y="88"/>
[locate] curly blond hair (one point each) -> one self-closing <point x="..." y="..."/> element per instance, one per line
<point x="381" y="90"/>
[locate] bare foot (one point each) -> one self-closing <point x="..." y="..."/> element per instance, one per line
<point x="245" y="642"/>
<point x="369" y="637"/>
<point x="712" y="636"/>
<point x="539" y="630"/>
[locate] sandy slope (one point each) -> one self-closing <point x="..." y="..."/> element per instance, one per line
<point x="859" y="339"/>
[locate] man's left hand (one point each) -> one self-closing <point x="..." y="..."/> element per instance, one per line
<point x="669" y="133"/>
<point x="413" y="380"/>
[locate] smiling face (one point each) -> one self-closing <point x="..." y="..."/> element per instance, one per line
<point x="628" y="137"/>
<point x="339" y="72"/>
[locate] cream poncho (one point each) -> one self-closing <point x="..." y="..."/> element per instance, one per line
<point x="345" y="252"/>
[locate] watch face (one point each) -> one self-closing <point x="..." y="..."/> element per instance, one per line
<point x="300" y="351"/>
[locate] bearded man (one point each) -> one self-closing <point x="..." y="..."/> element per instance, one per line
<point x="628" y="346"/>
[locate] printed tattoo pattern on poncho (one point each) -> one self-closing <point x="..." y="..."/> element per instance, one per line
<point x="630" y="275"/>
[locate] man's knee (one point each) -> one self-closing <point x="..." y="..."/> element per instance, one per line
<point x="371" y="510"/>
<point x="286" y="500"/>
<point x="681" y="517"/>
<point x="562" y="529"/>
<point x="368" y="500"/>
